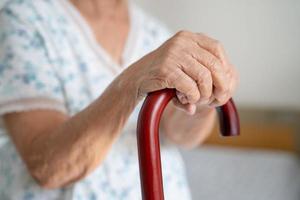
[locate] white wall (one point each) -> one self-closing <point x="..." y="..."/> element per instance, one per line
<point x="262" y="38"/>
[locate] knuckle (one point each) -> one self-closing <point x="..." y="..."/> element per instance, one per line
<point x="224" y="90"/>
<point x="216" y="43"/>
<point x="182" y="33"/>
<point x="200" y="77"/>
<point x="217" y="46"/>
<point x="193" y="94"/>
<point x="164" y="71"/>
<point x="201" y="34"/>
<point x="213" y="64"/>
<point x="204" y="80"/>
<point x="173" y="47"/>
<point x="174" y="77"/>
<point x="206" y="75"/>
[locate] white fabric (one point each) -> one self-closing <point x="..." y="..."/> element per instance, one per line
<point x="49" y="59"/>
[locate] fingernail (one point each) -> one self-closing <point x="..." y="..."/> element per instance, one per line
<point x="184" y="100"/>
<point x="179" y="95"/>
<point x="192" y="110"/>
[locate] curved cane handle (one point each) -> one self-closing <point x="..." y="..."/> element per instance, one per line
<point x="148" y="138"/>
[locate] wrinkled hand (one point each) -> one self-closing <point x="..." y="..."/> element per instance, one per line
<point x="192" y="63"/>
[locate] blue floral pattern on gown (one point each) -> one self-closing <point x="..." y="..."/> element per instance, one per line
<point x="49" y="60"/>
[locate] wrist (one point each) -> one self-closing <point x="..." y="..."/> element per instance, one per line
<point x="127" y="85"/>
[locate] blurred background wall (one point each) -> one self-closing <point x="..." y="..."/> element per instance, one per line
<point x="262" y="38"/>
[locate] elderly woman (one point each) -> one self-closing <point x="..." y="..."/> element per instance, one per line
<point x="72" y="78"/>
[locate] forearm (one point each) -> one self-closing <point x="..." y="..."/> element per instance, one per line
<point x="189" y="62"/>
<point x="75" y="148"/>
<point x="187" y="130"/>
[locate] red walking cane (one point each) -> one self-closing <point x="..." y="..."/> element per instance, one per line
<point x="148" y="138"/>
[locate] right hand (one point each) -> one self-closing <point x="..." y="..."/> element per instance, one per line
<point x="192" y="63"/>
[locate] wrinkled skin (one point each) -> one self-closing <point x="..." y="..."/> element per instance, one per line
<point x="59" y="150"/>
<point x="193" y="63"/>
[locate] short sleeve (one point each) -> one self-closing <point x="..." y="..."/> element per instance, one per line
<point x="27" y="79"/>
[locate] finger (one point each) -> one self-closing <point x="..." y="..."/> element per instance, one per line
<point x="181" y="98"/>
<point x="188" y="108"/>
<point x="234" y="79"/>
<point x="213" y="46"/>
<point x="186" y="85"/>
<point x="200" y="74"/>
<point x="219" y="70"/>
<point x="208" y="43"/>
<point x="219" y="74"/>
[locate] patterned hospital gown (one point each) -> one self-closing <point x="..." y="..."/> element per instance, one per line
<point x="49" y="59"/>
